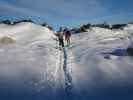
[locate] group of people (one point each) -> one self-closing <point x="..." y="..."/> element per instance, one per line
<point x="62" y="34"/>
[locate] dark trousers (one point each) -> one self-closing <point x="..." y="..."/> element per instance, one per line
<point x="61" y="42"/>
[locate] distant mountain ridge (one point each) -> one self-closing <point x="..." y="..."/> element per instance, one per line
<point x="86" y="27"/>
<point x="82" y="28"/>
<point x="9" y="22"/>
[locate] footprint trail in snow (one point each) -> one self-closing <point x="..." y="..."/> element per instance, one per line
<point x="67" y="72"/>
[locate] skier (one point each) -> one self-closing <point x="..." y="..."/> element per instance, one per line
<point x="67" y="36"/>
<point x="60" y="35"/>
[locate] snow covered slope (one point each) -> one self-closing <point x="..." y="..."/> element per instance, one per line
<point x="95" y="66"/>
<point x="27" y="64"/>
<point x="25" y="32"/>
<point x="101" y="67"/>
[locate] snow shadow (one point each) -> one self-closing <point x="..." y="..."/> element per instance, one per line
<point x="117" y="52"/>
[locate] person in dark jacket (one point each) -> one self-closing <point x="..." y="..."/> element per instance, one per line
<point x="67" y="36"/>
<point x="60" y="35"/>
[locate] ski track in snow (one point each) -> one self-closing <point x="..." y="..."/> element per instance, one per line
<point x="63" y="71"/>
<point x="67" y="72"/>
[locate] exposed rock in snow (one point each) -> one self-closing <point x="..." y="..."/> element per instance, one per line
<point x="7" y="40"/>
<point x="130" y="51"/>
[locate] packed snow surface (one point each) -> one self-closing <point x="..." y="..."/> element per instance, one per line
<point x="94" y="67"/>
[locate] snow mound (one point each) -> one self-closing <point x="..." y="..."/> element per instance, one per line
<point x="26" y="32"/>
<point x="129" y="27"/>
<point x="102" y="35"/>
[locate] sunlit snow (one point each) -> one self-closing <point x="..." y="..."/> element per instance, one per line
<point x="95" y="65"/>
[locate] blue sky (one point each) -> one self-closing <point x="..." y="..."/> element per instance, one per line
<point x="68" y="12"/>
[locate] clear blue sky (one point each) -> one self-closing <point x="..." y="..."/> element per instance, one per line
<point x="68" y="12"/>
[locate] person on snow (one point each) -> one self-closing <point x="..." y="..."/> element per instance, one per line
<point x="67" y="34"/>
<point x="60" y="35"/>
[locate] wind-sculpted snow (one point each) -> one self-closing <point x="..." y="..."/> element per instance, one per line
<point x="94" y="67"/>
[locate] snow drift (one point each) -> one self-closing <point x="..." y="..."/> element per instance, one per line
<point x="25" y="32"/>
